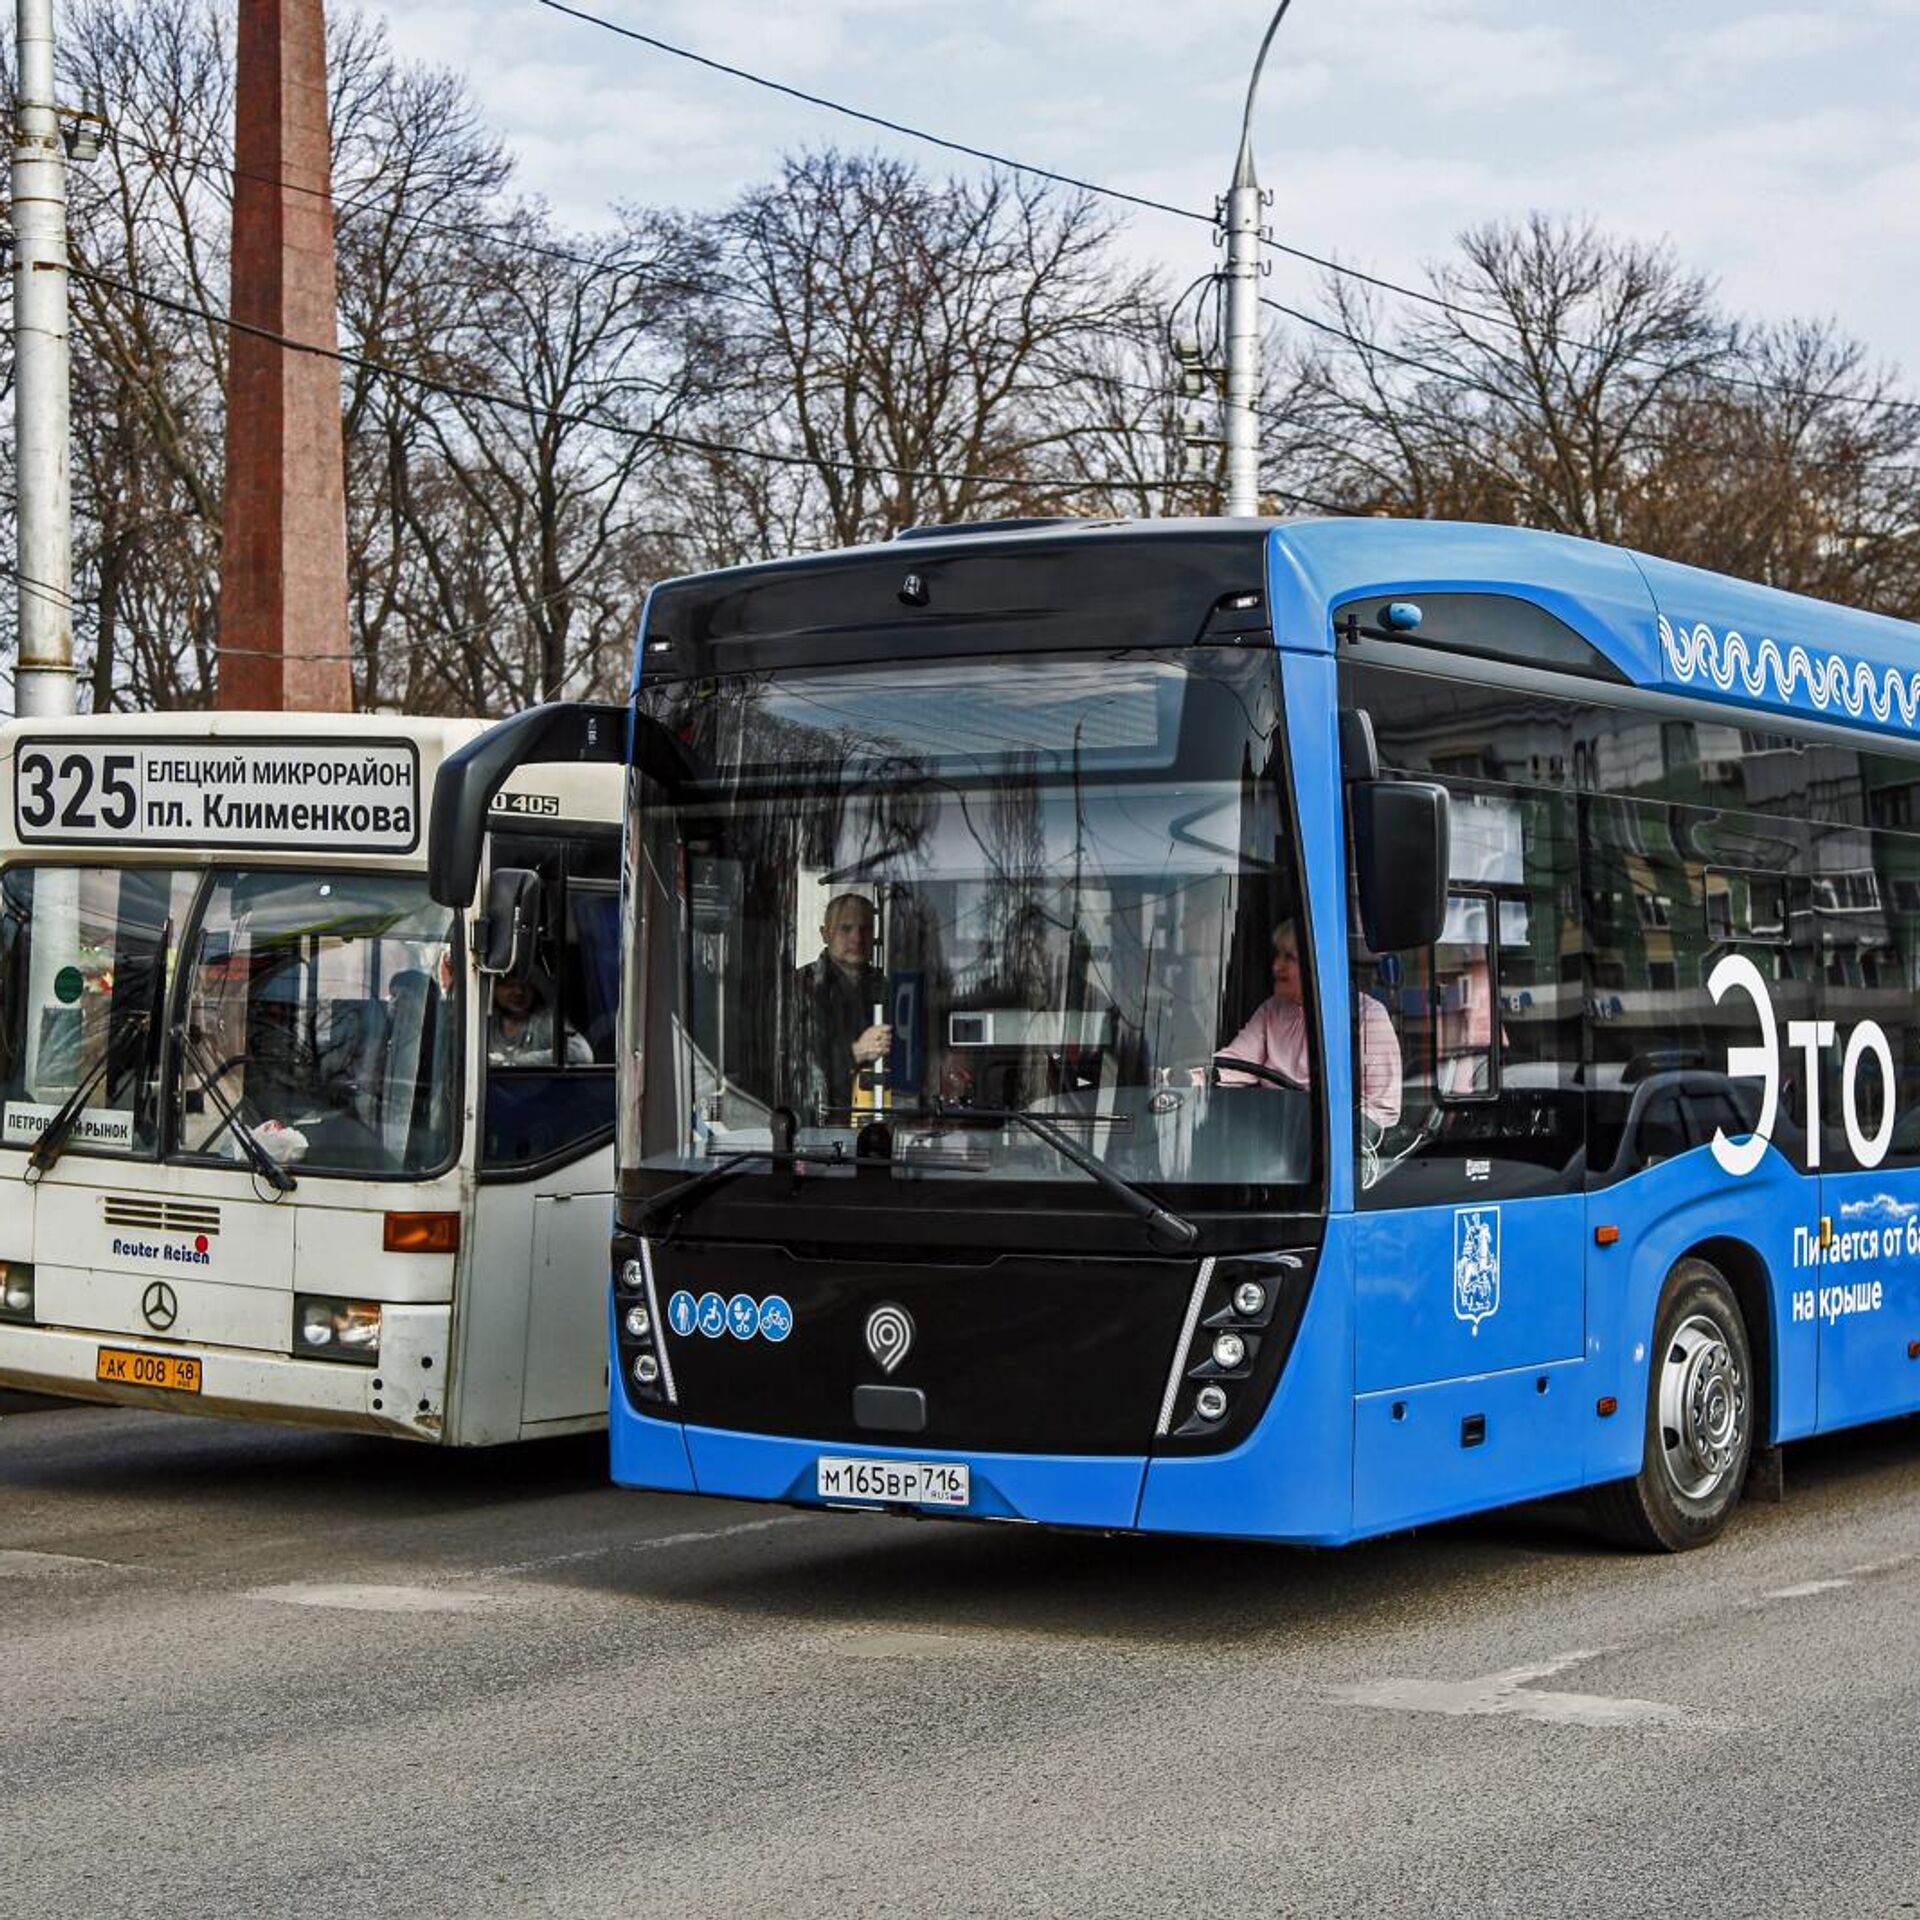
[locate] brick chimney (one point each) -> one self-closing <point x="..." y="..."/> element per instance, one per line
<point x="283" y="561"/>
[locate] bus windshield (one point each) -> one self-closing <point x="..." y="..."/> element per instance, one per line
<point x="317" y="1015"/>
<point x="886" y="908"/>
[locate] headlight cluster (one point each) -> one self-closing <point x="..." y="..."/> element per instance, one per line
<point x="1237" y="1320"/>
<point x="328" y="1329"/>
<point x="16" y="1290"/>
<point x="642" y="1363"/>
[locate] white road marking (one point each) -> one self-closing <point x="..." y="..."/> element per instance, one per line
<point x="20" y="1563"/>
<point x="545" y="1561"/>
<point x="374" y="1599"/>
<point x="1890" y="1565"/>
<point x="1510" y="1695"/>
<point x="458" y="1595"/>
<point x="1806" y="1589"/>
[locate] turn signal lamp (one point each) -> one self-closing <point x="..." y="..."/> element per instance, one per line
<point x="422" y="1233"/>
<point x="1210" y="1403"/>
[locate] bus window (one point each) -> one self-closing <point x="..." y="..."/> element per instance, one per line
<point x="319" y="1016"/>
<point x="1489" y="1017"/>
<point x="1669" y="891"/>
<point x="84" y="955"/>
<point x="550" y="1038"/>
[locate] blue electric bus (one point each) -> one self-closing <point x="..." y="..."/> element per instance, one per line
<point x="1281" y="1030"/>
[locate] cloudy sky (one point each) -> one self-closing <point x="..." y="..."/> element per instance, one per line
<point x="1777" y="149"/>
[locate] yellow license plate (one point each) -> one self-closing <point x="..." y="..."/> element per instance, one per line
<point x="123" y="1367"/>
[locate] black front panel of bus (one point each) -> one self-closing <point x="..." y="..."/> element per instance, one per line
<point x="1015" y="1353"/>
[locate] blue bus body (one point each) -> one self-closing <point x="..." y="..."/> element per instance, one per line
<point x="1489" y="1337"/>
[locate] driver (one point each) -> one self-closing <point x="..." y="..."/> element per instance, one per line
<point x="837" y="995"/>
<point x="1276" y="1037"/>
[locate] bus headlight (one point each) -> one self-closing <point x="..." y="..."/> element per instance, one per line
<point x="642" y="1363"/>
<point x="16" y="1290"/>
<point x="328" y="1329"/>
<point x="1229" y="1352"/>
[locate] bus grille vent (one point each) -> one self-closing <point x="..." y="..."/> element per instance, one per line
<point x="159" y="1216"/>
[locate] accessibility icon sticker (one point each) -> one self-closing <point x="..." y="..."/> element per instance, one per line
<point x="713" y="1315"/>
<point x="682" y="1312"/>
<point x="776" y="1318"/>
<point x="743" y="1316"/>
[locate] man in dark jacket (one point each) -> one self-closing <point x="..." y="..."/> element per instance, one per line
<point x="836" y="998"/>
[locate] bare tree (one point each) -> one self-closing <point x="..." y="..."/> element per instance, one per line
<point x="562" y="375"/>
<point x="1802" y="469"/>
<point x="1590" y="386"/>
<point x="920" y="350"/>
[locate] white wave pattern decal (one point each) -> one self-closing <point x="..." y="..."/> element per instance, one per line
<point x="1832" y="682"/>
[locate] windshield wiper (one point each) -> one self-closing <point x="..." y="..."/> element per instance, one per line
<point x="142" y="1024"/>
<point x="1168" y="1228"/>
<point x="672" y="1205"/>
<point x="264" y="1164"/>
<point x="48" y="1148"/>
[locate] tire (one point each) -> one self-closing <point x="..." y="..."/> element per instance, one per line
<point x="1701" y="1414"/>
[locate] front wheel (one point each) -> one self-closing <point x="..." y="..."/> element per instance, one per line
<point x="1700" y="1419"/>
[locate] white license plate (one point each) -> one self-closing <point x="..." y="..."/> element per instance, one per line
<point x="913" y="1483"/>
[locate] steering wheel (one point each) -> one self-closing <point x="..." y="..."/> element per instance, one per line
<point x="1260" y="1071"/>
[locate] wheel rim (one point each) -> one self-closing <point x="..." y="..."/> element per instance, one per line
<point x="1703" y="1408"/>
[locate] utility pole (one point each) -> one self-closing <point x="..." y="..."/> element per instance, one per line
<point x="43" y="669"/>
<point x="1240" y="215"/>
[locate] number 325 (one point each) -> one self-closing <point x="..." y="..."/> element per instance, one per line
<point x="41" y="786"/>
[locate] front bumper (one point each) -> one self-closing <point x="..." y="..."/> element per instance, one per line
<point x="403" y="1395"/>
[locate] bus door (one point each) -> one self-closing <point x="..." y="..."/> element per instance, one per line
<point x="543" y="1210"/>
<point x="1468" y="1271"/>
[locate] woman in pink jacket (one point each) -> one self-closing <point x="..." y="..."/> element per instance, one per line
<point x="1276" y="1037"/>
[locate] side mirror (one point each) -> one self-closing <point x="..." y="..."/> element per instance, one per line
<point x="513" y="921"/>
<point x="1400" y="845"/>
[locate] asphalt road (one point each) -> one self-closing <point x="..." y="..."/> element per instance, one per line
<point x="249" y="1670"/>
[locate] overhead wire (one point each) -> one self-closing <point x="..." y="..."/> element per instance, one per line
<point x="874" y="119"/>
<point x="1427" y="297"/>
<point x="697" y="443"/>
<point x="720" y="287"/>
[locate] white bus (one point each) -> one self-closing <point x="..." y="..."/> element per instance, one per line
<point x="279" y="1136"/>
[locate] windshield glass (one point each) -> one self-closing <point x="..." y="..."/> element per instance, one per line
<point x="84" y="953"/>
<point x="320" y="1016"/>
<point x="922" y="896"/>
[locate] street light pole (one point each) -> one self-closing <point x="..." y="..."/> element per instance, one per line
<point x="1242" y="219"/>
<point x="43" y="669"/>
<point x="1243" y="337"/>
